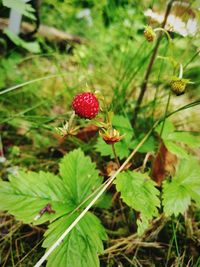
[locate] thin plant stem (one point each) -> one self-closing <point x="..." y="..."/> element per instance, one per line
<point x="165" y="115"/>
<point x="21" y="260"/>
<point x="166" y="32"/>
<point x="193" y="57"/>
<point x="190" y="105"/>
<point x="175" y="239"/>
<point x="29" y="82"/>
<point x="150" y="65"/>
<point x="181" y="72"/>
<point x="82" y="214"/>
<point x="115" y="154"/>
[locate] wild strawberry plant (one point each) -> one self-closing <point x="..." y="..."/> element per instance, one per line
<point x="60" y="199"/>
<point x="27" y="193"/>
<point x="166" y="183"/>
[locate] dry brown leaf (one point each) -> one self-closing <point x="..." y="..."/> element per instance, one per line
<point x="164" y="164"/>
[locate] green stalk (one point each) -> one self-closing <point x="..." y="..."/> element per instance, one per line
<point x="166" y="110"/>
<point x="115" y="154"/>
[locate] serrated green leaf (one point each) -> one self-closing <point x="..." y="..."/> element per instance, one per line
<point x="176" y="149"/>
<point x="175" y="198"/>
<point x="171" y="138"/>
<point x="186" y="138"/>
<point x="26" y="194"/>
<point x="79" y="175"/>
<point x="139" y="192"/>
<point x="81" y="246"/>
<point x="177" y="194"/>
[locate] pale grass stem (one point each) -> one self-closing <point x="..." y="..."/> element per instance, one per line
<point x="28" y="82"/>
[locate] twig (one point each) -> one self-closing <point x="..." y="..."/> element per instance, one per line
<point x="149" y="68"/>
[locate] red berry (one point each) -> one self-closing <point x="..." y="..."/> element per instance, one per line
<point x="86" y="105"/>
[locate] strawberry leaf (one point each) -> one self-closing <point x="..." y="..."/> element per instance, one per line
<point x="187" y="138"/>
<point x="170" y="138"/>
<point x="79" y="175"/>
<point x="184" y="187"/>
<point x="176" y="149"/>
<point x="81" y="246"/>
<point x="139" y="192"/>
<point x="29" y="192"/>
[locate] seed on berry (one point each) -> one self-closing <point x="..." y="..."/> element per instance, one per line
<point x="86" y="105"/>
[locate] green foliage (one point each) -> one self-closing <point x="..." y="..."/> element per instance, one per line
<point x="79" y="176"/>
<point x="184" y="187"/>
<point x="105" y="201"/>
<point x="171" y="137"/>
<point x="114" y="62"/>
<point x="81" y="246"/>
<point x="139" y="192"/>
<point x="128" y="142"/>
<point x="122" y="148"/>
<point x="123" y="125"/>
<point x="176" y="149"/>
<point x="32" y="47"/>
<point x="186" y="138"/>
<point x="148" y="146"/>
<point x="27" y="193"/>
<point x="21" y="7"/>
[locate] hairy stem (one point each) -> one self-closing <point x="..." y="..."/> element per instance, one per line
<point x="150" y="65"/>
<point x="165" y="115"/>
<point x="115" y="154"/>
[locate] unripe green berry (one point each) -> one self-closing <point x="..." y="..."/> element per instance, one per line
<point x="178" y="85"/>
